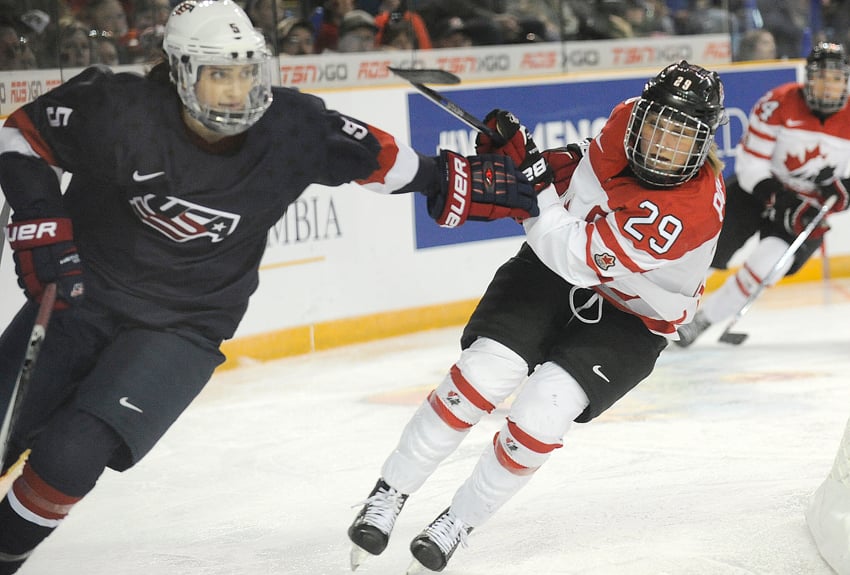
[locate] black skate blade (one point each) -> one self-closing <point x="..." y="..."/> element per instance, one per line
<point x="733" y="338"/>
<point x="425" y="75"/>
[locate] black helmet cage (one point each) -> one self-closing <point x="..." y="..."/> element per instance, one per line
<point x="682" y="102"/>
<point x="826" y="56"/>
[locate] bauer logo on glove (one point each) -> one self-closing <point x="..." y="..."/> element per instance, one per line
<point x="481" y="188"/>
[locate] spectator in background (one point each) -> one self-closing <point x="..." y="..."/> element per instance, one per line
<point x="150" y="14"/>
<point x="397" y="13"/>
<point x="786" y="20"/>
<point x="757" y="44"/>
<point x="397" y="35"/>
<point x="266" y="15"/>
<point x="357" y="32"/>
<point x="74" y="47"/>
<point x="835" y="15"/>
<point x="327" y="35"/>
<point x="295" y="36"/>
<point x="706" y="17"/>
<point x="451" y="33"/>
<point x="15" y="51"/>
<point x="109" y="16"/>
<point x="539" y="15"/>
<point x="485" y="27"/>
<point x="104" y="48"/>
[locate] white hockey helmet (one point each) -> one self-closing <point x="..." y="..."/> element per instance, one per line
<point x="217" y="33"/>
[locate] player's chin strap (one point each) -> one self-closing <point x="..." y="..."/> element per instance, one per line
<point x="594" y="299"/>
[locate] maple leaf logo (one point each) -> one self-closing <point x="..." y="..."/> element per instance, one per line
<point x="604" y="261"/>
<point x="794" y="162"/>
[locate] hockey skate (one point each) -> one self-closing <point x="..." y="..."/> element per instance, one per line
<point x="689" y="332"/>
<point x="433" y="548"/>
<point x="371" y="529"/>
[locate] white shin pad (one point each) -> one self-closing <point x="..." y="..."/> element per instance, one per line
<point x="486" y="373"/>
<point x="542" y="413"/>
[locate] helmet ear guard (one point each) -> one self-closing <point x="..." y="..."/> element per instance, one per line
<point x="217" y="33"/>
<point x="683" y="104"/>
<point x="826" y="56"/>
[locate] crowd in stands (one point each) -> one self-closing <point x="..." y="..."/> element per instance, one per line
<point x="78" y="33"/>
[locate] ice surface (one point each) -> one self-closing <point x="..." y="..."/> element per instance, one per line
<point x="704" y="469"/>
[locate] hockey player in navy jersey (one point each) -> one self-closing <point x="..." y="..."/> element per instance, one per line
<point x="794" y="155"/>
<point x="155" y="245"/>
<point x="615" y="261"/>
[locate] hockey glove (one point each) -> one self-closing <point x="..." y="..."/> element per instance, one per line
<point x="44" y="253"/>
<point x="794" y="213"/>
<point x="837" y="188"/>
<point x="563" y="162"/>
<point x="519" y="146"/>
<point x="481" y="188"/>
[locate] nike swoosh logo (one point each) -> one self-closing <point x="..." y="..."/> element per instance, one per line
<point x="137" y="177"/>
<point x="124" y="402"/>
<point x="597" y="369"/>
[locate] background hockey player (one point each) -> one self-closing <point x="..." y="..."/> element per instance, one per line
<point x="608" y="271"/>
<point x="793" y="156"/>
<point x="156" y="244"/>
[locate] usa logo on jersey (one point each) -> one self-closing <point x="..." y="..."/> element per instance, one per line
<point x="182" y="221"/>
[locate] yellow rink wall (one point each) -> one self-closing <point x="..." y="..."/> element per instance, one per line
<point x="330" y="334"/>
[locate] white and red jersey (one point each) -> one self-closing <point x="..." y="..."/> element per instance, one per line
<point x="645" y="250"/>
<point x="786" y="141"/>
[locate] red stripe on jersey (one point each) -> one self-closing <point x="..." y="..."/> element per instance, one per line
<point x="445" y="414"/>
<point x="41" y="499"/>
<point x="469" y="392"/>
<point x="752" y="152"/>
<point x="530" y="441"/>
<point x="386" y="157"/>
<point x="763" y="135"/>
<point x="652" y="324"/>
<point x="505" y="460"/>
<point x="610" y="241"/>
<point x="24" y="125"/>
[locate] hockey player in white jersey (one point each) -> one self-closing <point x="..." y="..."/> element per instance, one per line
<point x="794" y="155"/>
<point x="614" y="263"/>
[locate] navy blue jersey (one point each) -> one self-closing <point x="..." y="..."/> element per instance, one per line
<point x="172" y="230"/>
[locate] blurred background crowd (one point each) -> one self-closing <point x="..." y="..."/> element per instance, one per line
<point x="78" y="33"/>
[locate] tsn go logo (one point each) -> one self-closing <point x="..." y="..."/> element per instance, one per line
<point x="579" y="58"/>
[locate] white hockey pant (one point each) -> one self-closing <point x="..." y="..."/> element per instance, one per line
<point x="732" y="295"/>
<point x="484" y="376"/>
<point x="538" y="420"/>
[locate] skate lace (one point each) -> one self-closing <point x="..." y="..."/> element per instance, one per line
<point x="382" y="508"/>
<point x="447" y="531"/>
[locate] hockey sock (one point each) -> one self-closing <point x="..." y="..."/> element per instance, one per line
<point x="28" y="514"/>
<point x="485" y="374"/>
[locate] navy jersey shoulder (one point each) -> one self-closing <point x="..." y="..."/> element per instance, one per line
<point x="174" y="232"/>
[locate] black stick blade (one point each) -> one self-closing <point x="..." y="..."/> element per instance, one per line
<point x="425" y="75"/>
<point x="733" y="338"/>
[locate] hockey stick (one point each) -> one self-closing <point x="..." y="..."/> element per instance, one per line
<point x="737" y="338"/>
<point x="39" y="330"/>
<point x="4" y="218"/>
<point x="418" y="78"/>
